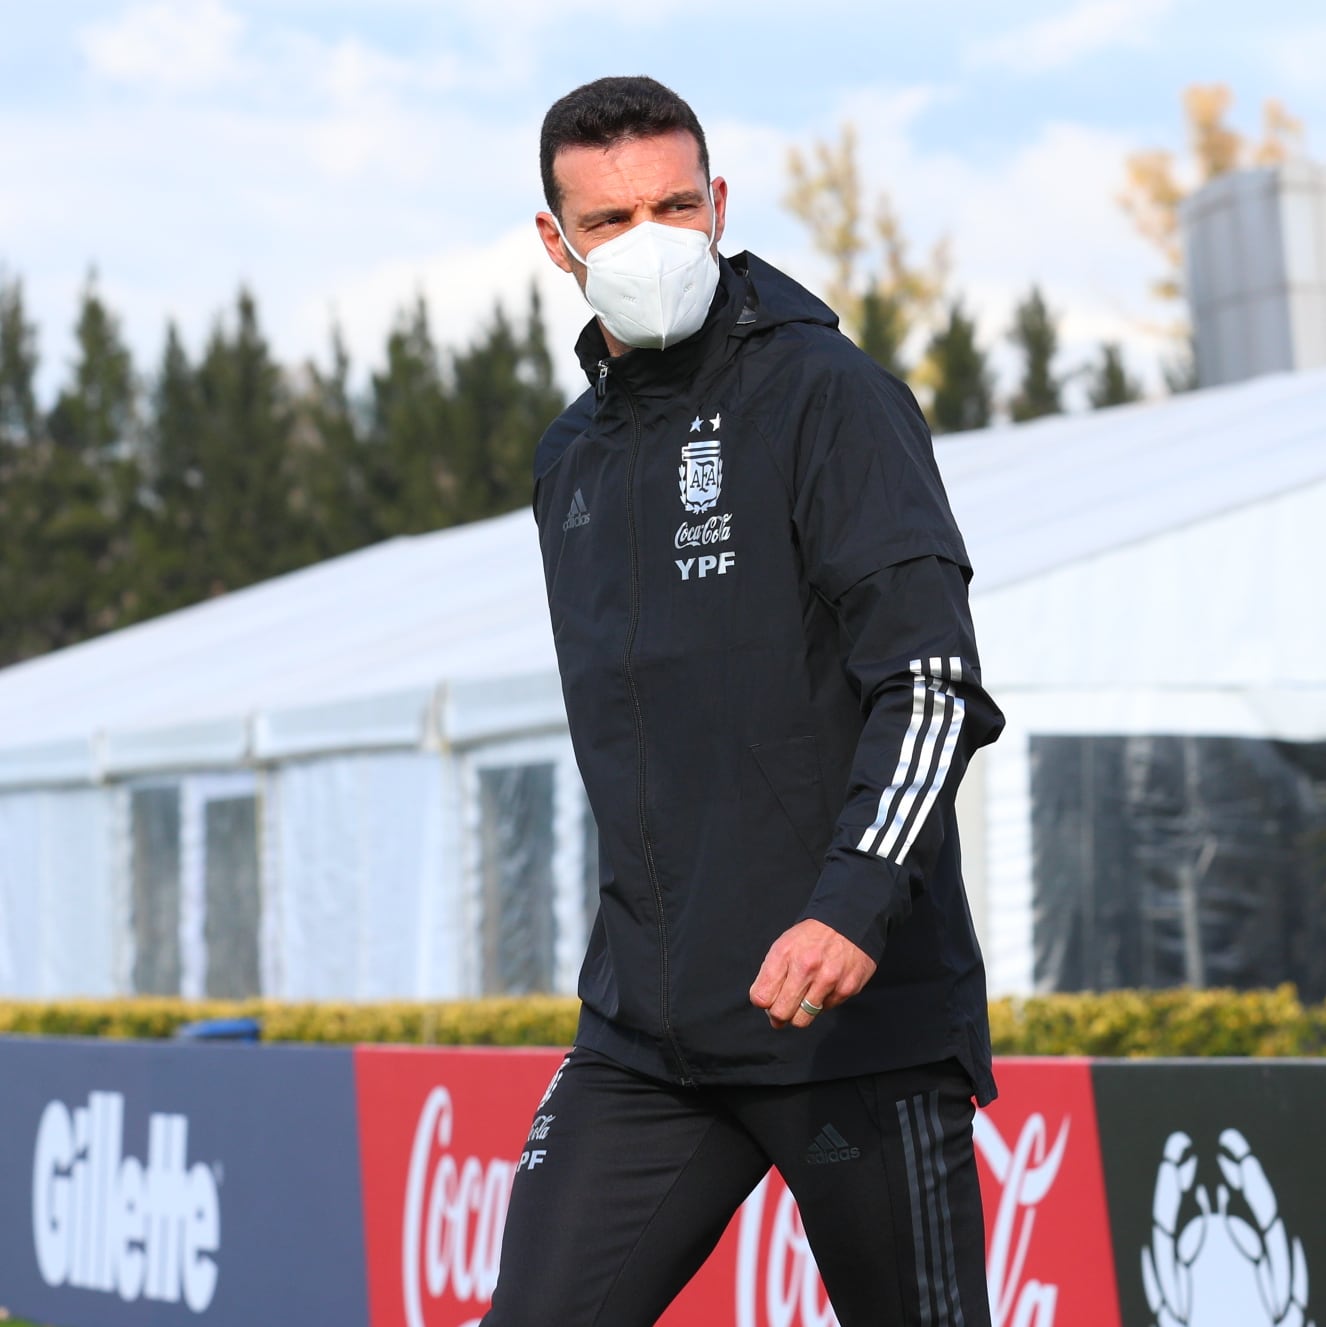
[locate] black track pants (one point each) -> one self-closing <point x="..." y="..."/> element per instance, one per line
<point x="626" y="1184"/>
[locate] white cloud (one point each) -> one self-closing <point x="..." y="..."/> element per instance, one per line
<point x="891" y="112"/>
<point x="461" y="284"/>
<point x="1063" y="39"/>
<point x="347" y="176"/>
<point x="1049" y="216"/>
<point x="1044" y="212"/>
<point x="173" y="47"/>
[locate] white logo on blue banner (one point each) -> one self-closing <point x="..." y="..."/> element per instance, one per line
<point x="1226" y="1259"/>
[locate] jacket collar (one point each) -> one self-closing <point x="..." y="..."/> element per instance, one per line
<point x="663" y="372"/>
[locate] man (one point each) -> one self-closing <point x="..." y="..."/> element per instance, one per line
<point x="758" y="596"/>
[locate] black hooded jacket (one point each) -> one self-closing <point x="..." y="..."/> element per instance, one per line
<point x="758" y="597"/>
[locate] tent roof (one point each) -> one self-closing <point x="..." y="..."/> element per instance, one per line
<point x="395" y="619"/>
<point x="1031" y="498"/>
<point x="385" y="627"/>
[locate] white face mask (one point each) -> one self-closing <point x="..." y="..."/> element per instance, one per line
<point x="652" y="285"/>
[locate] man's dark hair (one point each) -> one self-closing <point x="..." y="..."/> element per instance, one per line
<point x="607" y="112"/>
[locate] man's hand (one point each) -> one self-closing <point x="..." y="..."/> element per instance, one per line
<point x="810" y="962"/>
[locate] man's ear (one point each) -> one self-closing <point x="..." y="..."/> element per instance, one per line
<point x="552" y="240"/>
<point x="719" y="186"/>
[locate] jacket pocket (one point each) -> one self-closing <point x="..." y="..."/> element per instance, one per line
<point x="791" y="769"/>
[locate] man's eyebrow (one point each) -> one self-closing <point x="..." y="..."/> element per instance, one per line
<point x="683" y="196"/>
<point x="595" y="215"/>
<point x="598" y="214"/>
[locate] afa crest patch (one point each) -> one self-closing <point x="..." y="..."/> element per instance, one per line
<point x="700" y="475"/>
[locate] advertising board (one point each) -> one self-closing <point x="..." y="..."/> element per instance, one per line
<point x="161" y="1184"/>
<point x="439" y="1150"/>
<point x="1049" y="1260"/>
<point x="1215" y="1172"/>
<point x="178" y="1185"/>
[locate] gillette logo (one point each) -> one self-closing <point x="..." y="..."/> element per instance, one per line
<point x="105" y="1222"/>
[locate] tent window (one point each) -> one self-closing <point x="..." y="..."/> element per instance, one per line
<point x="234" y="901"/>
<point x="1163" y="861"/>
<point x="516" y="857"/>
<point x="155" y="831"/>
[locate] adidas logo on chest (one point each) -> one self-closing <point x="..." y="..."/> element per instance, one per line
<point x="579" y="513"/>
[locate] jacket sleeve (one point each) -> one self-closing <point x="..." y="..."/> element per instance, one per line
<point x="880" y="545"/>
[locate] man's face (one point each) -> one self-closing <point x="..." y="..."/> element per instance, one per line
<point x="606" y="191"/>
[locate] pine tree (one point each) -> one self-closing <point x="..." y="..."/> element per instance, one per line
<point x="19" y="419"/>
<point x="169" y="541"/>
<point x="112" y="513"/>
<point x="411" y="476"/>
<point x="502" y="400"/>
<point x="19" y="434"/>
<point x="537" y="365"/>
<point x="964" y="385"/>
<point x="251" y="525"/>
<point x="71" y="491"/>
<point x="333" y="459"/>
<point x="96" y="415"/>
<point x="71" y="552"/>
<point x="174" y="458"/>
<point x="883" y="330"/>
<point x="1035" y="334"/>
<point x="1108" y="380"/>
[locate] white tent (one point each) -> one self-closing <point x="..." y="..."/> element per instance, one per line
<point x="343" y="782"/>
<point x="323" y="739"/>
<point x="1149" y="571"/>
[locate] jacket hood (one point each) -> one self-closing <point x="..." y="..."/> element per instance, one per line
<point x="773" y="298"/>
<point x="752" y="296"/>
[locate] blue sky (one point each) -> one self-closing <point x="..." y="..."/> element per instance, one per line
<point x="340" y="156"/>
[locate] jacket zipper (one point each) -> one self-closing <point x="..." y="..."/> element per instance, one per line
<point x="651" y="868"/>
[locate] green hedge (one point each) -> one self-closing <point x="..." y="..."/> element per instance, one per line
<point x="1160" y="1023"/>
<point x="529" y="1021"/>
<point x="1115" y="1023"/>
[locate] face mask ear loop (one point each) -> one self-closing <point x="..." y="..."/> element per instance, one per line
<point x="567" y="242"/>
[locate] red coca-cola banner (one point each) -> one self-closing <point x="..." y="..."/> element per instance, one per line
<point x="1048" y="1256"/>
<point x="1047" y="1238"/>
<point x="437" y="1130"/>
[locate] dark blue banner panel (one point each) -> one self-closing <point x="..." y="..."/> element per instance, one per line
<point x="159" y="1185"/>
<point x="1215" y="1172"/>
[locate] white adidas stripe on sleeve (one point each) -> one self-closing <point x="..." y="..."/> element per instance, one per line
<point x="923" y="762"/>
